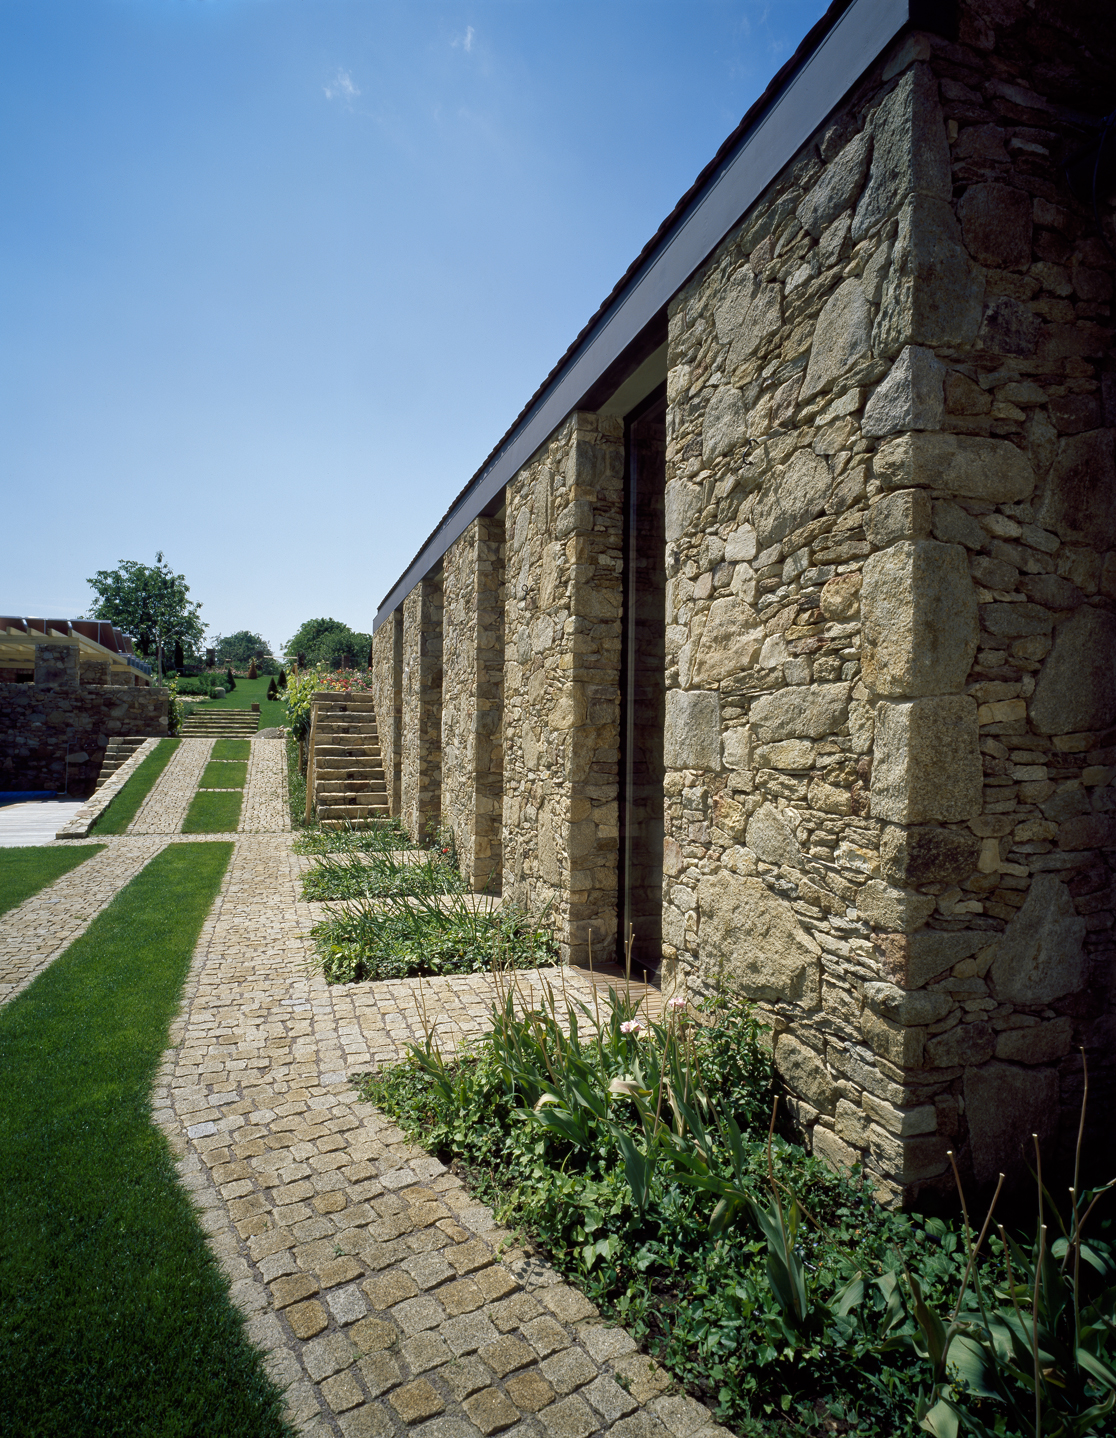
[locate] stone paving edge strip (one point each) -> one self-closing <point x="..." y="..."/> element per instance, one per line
<point x="80" y="825"/>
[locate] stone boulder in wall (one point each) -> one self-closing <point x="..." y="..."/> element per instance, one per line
<point x="754" y="940"/>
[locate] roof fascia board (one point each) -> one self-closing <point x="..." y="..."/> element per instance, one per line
<point x="865" y="29"/>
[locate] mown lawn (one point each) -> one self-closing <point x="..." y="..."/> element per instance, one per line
<point x="248" y="692"/>
<point x="116" y="1318"/>
<point x="211" y="813"/>
<point x="24" y="871"/>
<point x="126" y="805"/>
<point x="223" y="774"/>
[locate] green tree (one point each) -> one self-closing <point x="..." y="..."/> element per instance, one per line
<point x="240" y="647"/>
<point x="148" y="602"/>
<point x="328" y="641"/>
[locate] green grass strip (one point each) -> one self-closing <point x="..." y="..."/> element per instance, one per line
<point x="116" y="1318"/>
<point x="24" y="871"/>
<point x="231" y="749"/>
<point x="126" y="805"/>
<point x="223" y="774"/>
<point x="213" y="814"/>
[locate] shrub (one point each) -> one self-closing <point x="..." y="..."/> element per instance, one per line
<point x="772" y="1288"/>
<point x="282" y="680"/>
<point x="174" y="706"/>
<point x="272" y="692"/>
<point x="393" y="936"/>
<point x="230" y="682"/>
<point x="252" y="674"/>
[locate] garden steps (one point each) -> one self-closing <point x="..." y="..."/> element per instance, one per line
<point x="220" y="724"/>
<point x="348" y="781"/>
<point x="117" y="754"/>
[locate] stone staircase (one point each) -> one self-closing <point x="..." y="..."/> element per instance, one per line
<point x="118" y="752"/>
<point x="205" y="723"/>
<point x="347" y="782"/>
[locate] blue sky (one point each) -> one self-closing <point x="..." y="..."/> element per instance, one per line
<point x="275" y="275"/>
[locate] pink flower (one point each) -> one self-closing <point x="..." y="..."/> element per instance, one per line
<point x="633" y="1026"/>
<point x="676" y="1003"/>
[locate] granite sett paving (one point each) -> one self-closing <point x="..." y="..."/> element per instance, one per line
<point x="384" y="1296"/>
<point x="164" y="809"/>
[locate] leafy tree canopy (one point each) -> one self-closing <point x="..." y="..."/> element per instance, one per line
<point x="240" y="647"/>
<point x="327" y="641"/>
<point x="150" y="603"/>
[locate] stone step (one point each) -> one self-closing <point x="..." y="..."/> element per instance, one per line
<point x="345" y="773"/>
<point x="368" y="730"/>
<point x="372" y="821"/>
<point x="345" y="758"/>
<point x="117" y="754"/>
<point x="352" y="811"/>
<point x="204" y="732"/>
<point x="326" y="792"/>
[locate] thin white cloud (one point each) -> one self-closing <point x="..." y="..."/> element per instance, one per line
<point x="464" y="42"/>
<point x="341" y="88"/>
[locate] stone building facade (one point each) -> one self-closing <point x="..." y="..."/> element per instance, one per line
<point x="879" y="698"/>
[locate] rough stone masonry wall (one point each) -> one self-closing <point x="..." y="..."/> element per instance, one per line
<point x="421" y="712"/>
<point x="472" y="699"/>
<point x="561" y="682"/>
<point x="40" y="729"/>
<point x="387" y="696"/>
<point x="890" y="517"/>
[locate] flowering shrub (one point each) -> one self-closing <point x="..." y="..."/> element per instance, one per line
<point x="303" y="684"/>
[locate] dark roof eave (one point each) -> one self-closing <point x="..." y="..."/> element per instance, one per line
<point x="828" y="62"/>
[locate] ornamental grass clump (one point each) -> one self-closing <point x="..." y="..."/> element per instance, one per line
<point x="643" y="1155"/>
<point x="381" y="873"/>
<point x="383" y="836"/>
<point x="447" y="933"/>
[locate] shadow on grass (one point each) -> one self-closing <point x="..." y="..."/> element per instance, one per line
<point x="116" y="1318"/>
<point x="27" y="869"/>
<point x="126" y="805"/>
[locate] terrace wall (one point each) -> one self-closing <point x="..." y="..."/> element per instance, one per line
<point x="49" y="734"/>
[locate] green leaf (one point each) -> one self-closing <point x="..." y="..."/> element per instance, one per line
<point x="970" y="1362"/>
<point x="1096" y="1368"/>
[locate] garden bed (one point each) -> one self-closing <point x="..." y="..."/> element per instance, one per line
<point x="641" y="1157"/>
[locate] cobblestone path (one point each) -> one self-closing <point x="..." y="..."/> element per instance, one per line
<point x="265" y="809"/>
<point x="164" y="809"/>
<point x="386" y="1301"/>
<point x="39" y="929"/>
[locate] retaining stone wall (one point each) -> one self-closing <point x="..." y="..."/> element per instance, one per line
<point x="890" y="631"/>
<point x="421" y="711"/>
<point x="40" y="726"/>
<point x="561" y="682"/>
<point x="472" y="700"/>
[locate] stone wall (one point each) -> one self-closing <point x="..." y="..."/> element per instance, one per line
<point x="420" y="782"/>
<point x="890" y="619"/>
<point x="888" y="800"/>
<point x="387" y="695"/>
<point x="472" y="700"/>
<point x="47" y="734"/>
<point x="561" y="682"/>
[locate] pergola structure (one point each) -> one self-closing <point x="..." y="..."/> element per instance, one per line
<point x="103" y="654"/>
